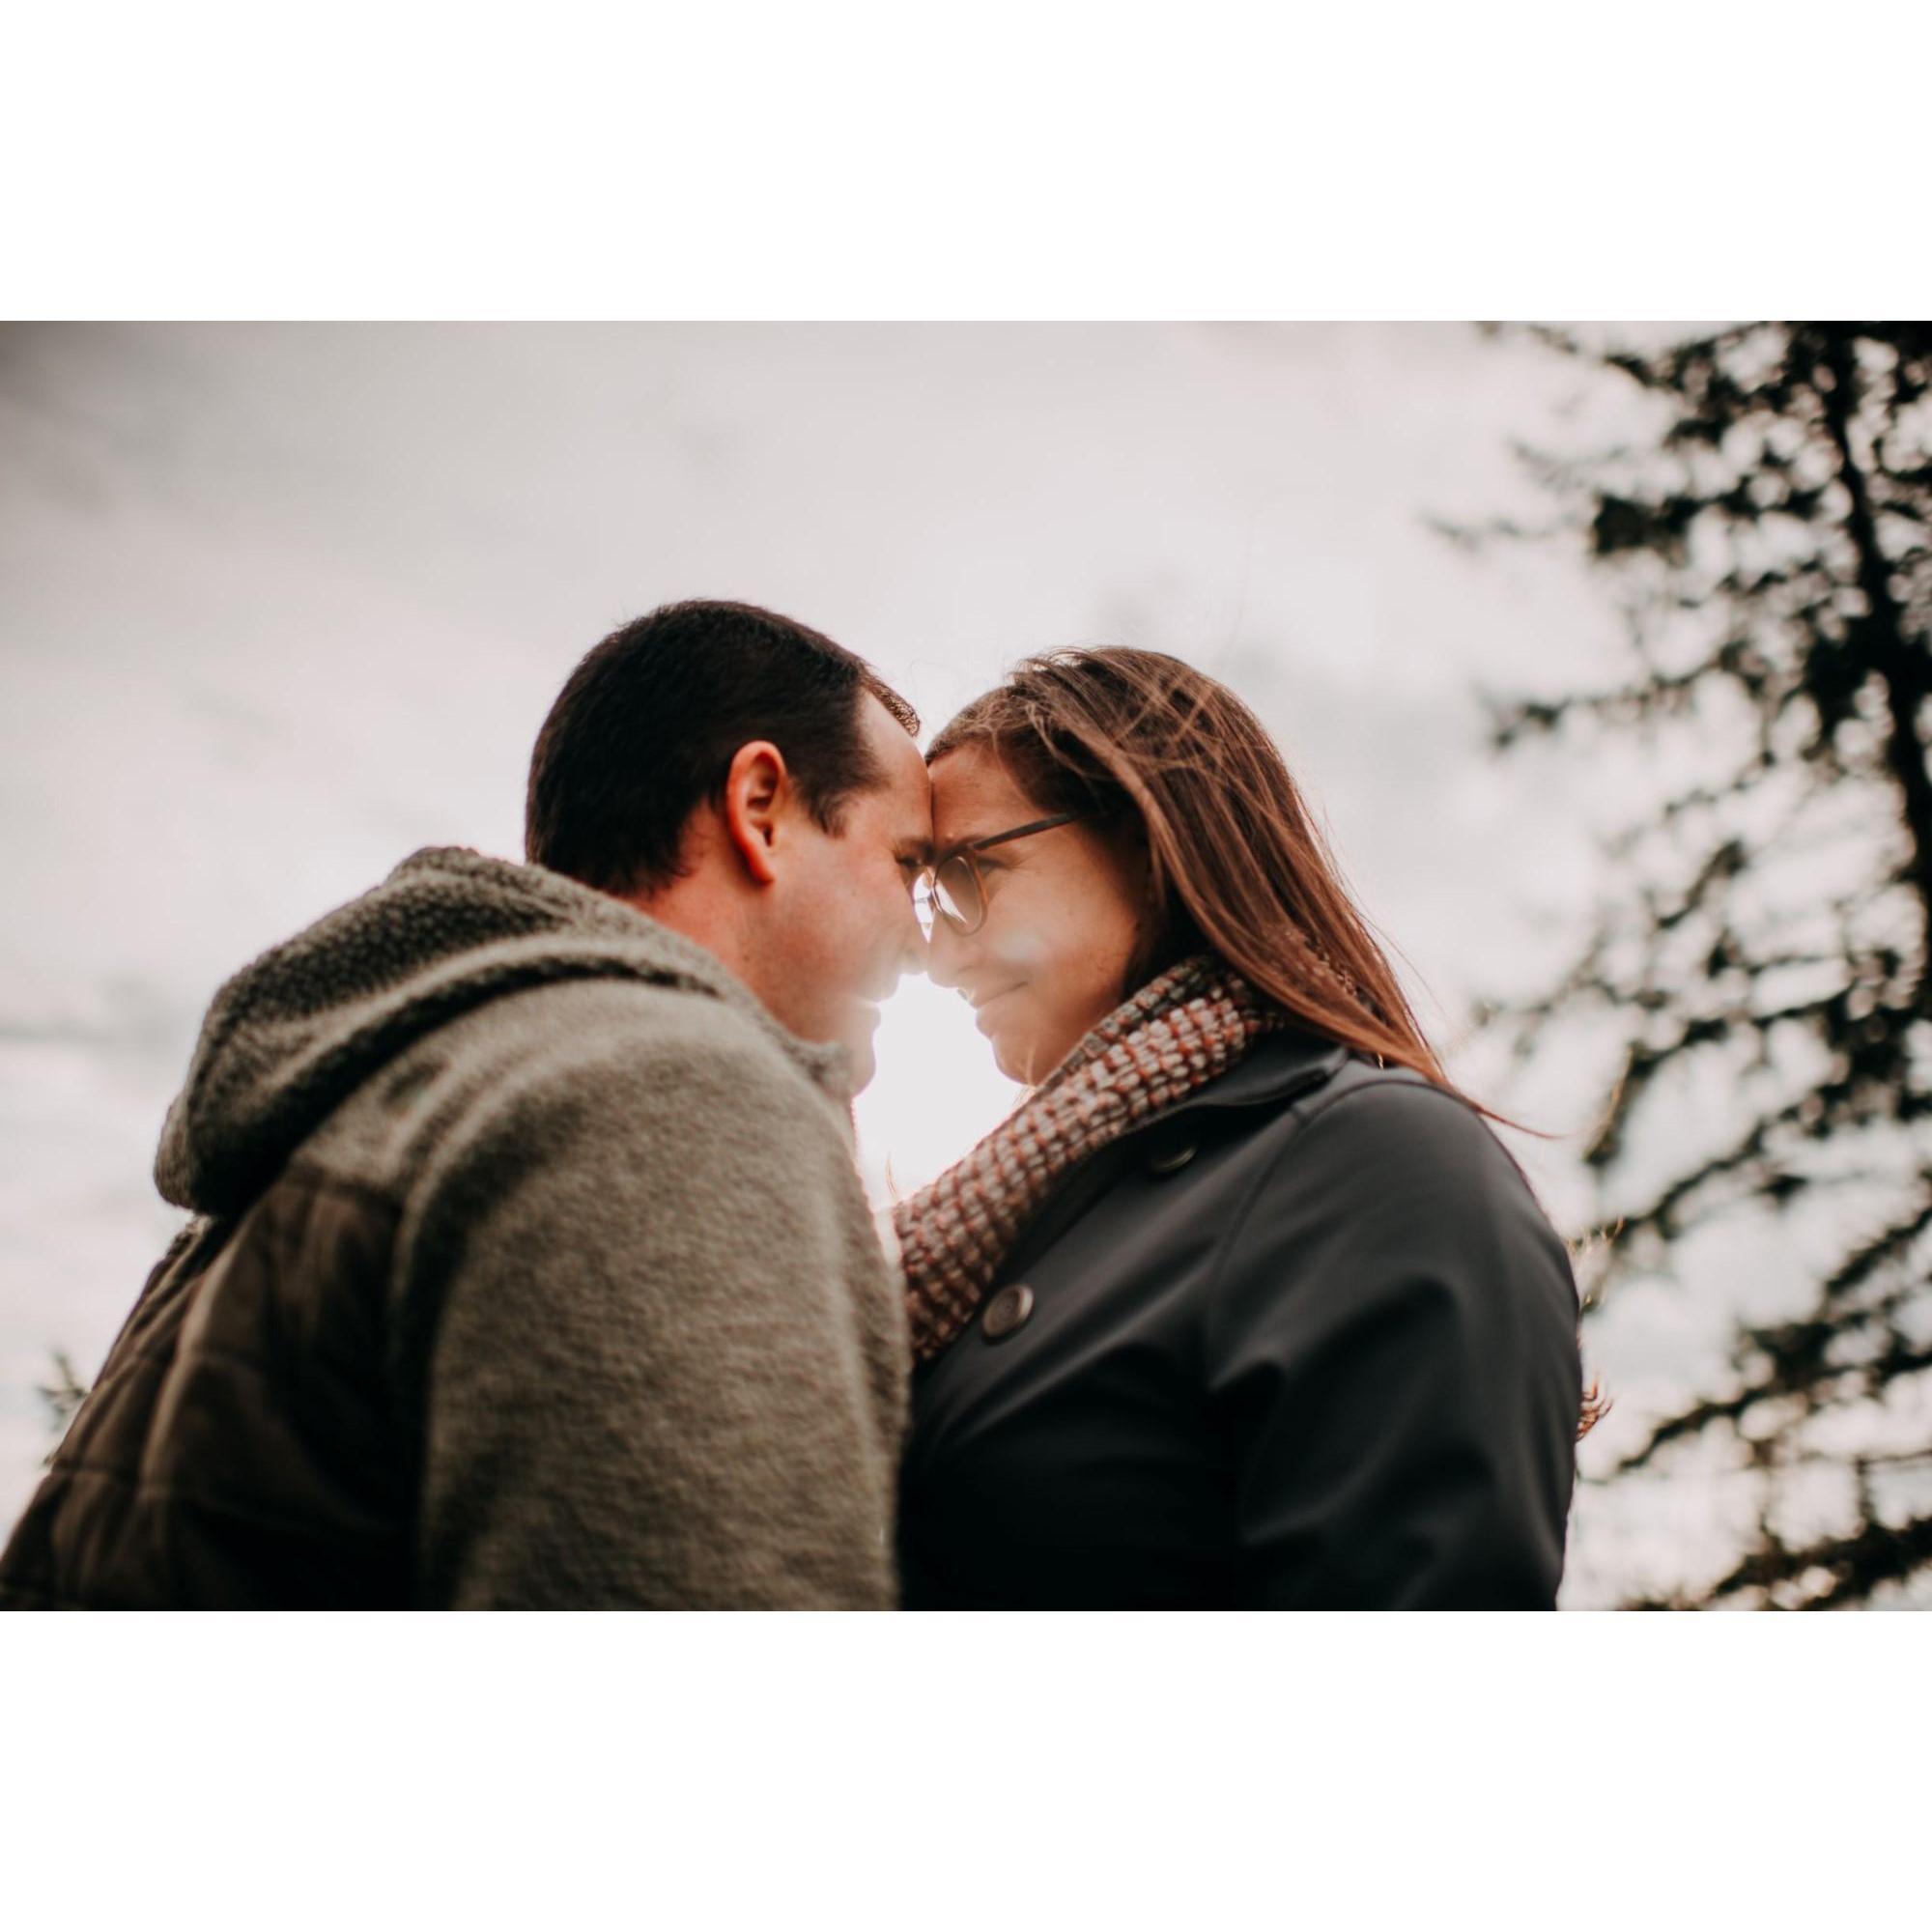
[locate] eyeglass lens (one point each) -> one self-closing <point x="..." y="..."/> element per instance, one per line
<point x="955" y="886"/>
<point x="953" y="891"/>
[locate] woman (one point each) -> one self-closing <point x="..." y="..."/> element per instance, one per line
<point x="1243" y="1306"/>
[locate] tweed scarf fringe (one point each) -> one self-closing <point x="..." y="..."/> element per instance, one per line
<point x="1177" y="1034"/>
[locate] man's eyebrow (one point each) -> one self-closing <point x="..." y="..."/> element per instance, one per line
<point x="914" y="850"/>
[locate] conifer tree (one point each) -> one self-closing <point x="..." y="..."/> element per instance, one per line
<point x="1765" y="926"/>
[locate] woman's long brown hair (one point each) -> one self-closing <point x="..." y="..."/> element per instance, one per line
<point x="1162" y="758"/>
<point x="1156" y="751"/>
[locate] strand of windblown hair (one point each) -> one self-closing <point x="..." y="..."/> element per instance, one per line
<point x="1177" y="1033"/>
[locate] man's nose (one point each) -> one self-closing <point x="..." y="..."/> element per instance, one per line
<point x="910" y="937"/>
<point x="912" y="948"/>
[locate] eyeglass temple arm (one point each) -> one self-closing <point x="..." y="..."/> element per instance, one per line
<point x="1026" y="830"/>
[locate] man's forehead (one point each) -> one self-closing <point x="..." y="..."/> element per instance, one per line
<point x="907" y="784"/>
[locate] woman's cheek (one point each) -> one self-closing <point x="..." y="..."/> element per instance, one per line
<point x="1024" y="950"/>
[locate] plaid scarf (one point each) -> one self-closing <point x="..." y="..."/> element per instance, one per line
<point x="1178" y="1032"/>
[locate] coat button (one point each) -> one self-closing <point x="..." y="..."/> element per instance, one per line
<point x="1171" y="1160"/>
<point x="1008" y="1310"/>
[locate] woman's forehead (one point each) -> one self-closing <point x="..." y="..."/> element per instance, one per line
<point x="972" y="797"/>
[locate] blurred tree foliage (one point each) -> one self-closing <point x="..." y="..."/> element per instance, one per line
<point x="1768" y="926"/>
<point x="62" y="1393"/>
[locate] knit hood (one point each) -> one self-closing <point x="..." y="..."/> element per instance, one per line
<point x="294" y="1034"/>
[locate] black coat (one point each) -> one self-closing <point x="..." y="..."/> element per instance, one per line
<point x="1305" y="1340"/>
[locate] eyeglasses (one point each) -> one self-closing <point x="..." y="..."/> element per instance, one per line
<point x="953" y="888"/>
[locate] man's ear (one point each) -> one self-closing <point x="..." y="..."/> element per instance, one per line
<point x="756" y="790"/>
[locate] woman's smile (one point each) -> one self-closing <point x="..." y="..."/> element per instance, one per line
<point x="981" y="1008"/>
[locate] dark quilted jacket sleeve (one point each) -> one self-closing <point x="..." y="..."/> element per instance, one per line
<point x="1391" y="1358"/>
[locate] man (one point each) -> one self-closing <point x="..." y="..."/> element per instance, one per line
<point x="529" y="1265"/>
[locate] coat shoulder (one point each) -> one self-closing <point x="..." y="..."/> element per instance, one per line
<point x="1395" y="1121"/>
<point x="1387" y="1161"/>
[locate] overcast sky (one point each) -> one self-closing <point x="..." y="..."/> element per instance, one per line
<point x="279" y="605"/>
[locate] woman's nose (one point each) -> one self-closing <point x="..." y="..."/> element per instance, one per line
<point x="945" y="955"/>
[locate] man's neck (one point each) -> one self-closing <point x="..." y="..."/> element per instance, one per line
<point x="697" y="910"/>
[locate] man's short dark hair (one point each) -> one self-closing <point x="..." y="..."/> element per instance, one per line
<point x="645" y="729"/>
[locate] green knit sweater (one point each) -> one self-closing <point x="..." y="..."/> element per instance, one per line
<point x="664" y="1353"/>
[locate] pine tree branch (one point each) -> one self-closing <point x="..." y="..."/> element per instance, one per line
<point x="1890" y="1244"/>
<point x="1795" y="1351"/>
<point x="1785" y="502"/>
<point x="1904" y="664"/>
<point x="1854" y="1566"/>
